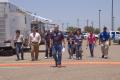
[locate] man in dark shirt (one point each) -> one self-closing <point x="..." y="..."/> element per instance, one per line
<point x="58" y="43"/>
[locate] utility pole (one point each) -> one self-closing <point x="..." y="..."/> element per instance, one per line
<point x="78" y="25"/>
<point x="87" y="22"/>
<point x="112" y="22"/>
<point x="100" y="20"/>
<point x="92" y="24"/>
<point x="63" y="26"/>
<point x="68" y="25"/>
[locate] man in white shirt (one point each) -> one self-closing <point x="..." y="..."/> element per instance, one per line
<point x="18" y="40"/>
<point x="34" y="40"/>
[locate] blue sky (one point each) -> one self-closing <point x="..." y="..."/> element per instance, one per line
<point x="68" y="11"/>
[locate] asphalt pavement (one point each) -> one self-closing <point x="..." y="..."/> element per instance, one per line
<point x="87" y="69"/>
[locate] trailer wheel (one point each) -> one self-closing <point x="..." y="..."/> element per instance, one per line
<point x="7" y="52"/>
<point x="119" y="42"/>
<point x="1" y="52"/>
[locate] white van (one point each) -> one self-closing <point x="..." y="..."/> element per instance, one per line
<point x="115" y="36"/>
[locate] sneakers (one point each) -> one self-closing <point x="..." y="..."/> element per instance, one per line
<point x="46" y="57"/>
<point x="104" y="57"/>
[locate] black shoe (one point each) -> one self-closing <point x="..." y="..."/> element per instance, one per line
<point x="22" y="59"/>
<point x="56" y="64"/>
<point x="102" y="56"/>
<point x="36" y="59"/>
<point x="17" y="59"/>
<point x="106" y="57"/>
<point x="77" y="58"/>
<point x="33" y="60"/>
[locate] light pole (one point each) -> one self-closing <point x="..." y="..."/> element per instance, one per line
<point x="100" y="20"/>
<point x="78" y="25"/>
<point x="62" y="26"/>
<point x="112" y="21"/>
<point x="68" y="25"/>
<point x="47" y="24"/>
<point x="92" y="24"/>
<point x="87" y="22"/>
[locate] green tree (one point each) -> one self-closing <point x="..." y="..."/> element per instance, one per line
<point x="88" y="29"/>
<point x="97" y="31"/>
<point x="73" y="29"/>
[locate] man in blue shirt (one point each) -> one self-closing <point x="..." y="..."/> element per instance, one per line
<point x="58" y="43"/>
<point x="105" y="42"/>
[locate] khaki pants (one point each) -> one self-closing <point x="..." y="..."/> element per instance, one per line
<point x="105" y="48"/>
<point x="34" y="51"/>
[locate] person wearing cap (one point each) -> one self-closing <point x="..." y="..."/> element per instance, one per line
<point x="18" y="41"/>
<point x="34" y="40"/>
<point x="58" y="43"/>
<point x="104" y="40"/>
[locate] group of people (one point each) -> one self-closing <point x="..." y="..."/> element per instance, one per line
<point x="75" y="41"/>
<point x="55" y="43"/>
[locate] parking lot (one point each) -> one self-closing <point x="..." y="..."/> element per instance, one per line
<point x="43" y="69"/>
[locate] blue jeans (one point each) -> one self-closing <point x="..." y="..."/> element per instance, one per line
<point x="19" y="49"/>
<point x="79" y="51"/>
<point x="70" y="50"/>
<point x="57" y="53"/>
<point x="48" y="51"/>
<point x="91" y="47"/>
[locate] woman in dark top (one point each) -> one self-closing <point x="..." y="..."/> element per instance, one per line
<point x="70" y="40"/>
<point x="78" y="38"/>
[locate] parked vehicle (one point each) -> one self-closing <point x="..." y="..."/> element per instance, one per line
<point x="116" y="38"/>
<point x="13" y="18"/>
<point x="113" y="34"/>
<point x="97" y="36"/>
<point x="65" y="34"/>
<point x="87" y="34"/>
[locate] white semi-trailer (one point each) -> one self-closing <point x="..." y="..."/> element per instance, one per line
<point x="13" y="18"/>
